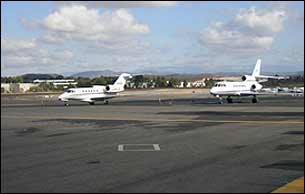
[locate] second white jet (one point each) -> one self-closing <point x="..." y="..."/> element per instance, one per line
<point x="97" y="92"/>
<point x="249" y="86"/>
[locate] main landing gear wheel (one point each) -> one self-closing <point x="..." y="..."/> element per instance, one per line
<point x="66" y="104"/>
<point x="254" y="100"/>
<point x="106" y="102"/>
<point x="229" y="100"/>
<point x="91" y="103"/>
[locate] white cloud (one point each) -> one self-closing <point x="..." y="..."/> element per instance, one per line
<point x="79" y="22"/>
<point x="251" y="31"/>
<point x="51" y="38"/>
<point x="25" y="53"/>
<point x="225" y="39"/>
<point x="119" y="4"/>
<point x="265" y="20"/>
<point x="18" y="60"/>
<point x="29" y="24"/>
<point x="13" y="45"/>
<point x="65" y="55"/>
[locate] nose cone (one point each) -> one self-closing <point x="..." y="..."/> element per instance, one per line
<point x="61" y="97"/>
<point x="212" y="91"/>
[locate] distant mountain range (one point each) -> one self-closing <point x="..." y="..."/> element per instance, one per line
<point x="28" y="78"/>
<point x="93" y="74"/>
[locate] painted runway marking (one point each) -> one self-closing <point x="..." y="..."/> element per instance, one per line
<point x="159" y="120"/>
<point x="138" y="147"/>
<point x="296" y="186"/>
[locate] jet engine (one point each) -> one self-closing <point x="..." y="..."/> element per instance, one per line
<point x="248" y="78"/>
<point x="112" y="89"/>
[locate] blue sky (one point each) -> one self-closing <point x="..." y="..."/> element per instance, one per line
<point x="181" y="37"/>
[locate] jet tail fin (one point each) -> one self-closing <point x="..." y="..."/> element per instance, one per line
<point x="121" y="81"/>
<point x="119" y="84"/>
<point x="257" y="69"/>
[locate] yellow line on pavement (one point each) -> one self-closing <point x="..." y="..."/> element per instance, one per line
<point x="296" y="186"/>
<point x="160" y="120"/>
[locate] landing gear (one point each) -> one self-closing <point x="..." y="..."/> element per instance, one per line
<point x="219" y="99"/>
<point x="67" y="104"/>
<point x="91" y="103"/>
<point x="229" y="100"/>
<point x="254" y="99"/>
<point x="106" y="102"/>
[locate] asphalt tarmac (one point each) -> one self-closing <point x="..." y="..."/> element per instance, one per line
<point x="145" y="144"/>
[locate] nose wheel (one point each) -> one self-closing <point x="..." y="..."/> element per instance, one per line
<point x="219" y="99"/>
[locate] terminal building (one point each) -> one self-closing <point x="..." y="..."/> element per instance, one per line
<point x="25" y="87"/>
<point x="57" y="82"/>
<point x="16" y="87"/>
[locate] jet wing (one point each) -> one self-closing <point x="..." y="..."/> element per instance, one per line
<point x="261" y="92"/>
<point x="270" y="77"/>
<point x="97" y="97"/>
<point x="102" y="98"/>
<point x="87" y="100"/>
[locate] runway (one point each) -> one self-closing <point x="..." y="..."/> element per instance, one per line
<point x="202" y="146"/>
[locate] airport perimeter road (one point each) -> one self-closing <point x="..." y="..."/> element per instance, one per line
<point x="195" y="146"/>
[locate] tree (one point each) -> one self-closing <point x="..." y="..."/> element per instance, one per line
<point x="18" y="79"/>
<point x="83" y="82"/>
<point x="139" y="79"/>
<point x="160" y="82"/>
<point x="210" y="83"/>
<point x="99" y="81"/>
<point x="59" y="77"/>
<point x="44" y="87"/>
<point x="172" y="83"/>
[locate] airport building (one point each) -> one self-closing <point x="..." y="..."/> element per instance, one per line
<point x="58" y="82"/>
<point x="25" y="87"/>
<point x="199" y="83"/>
<point x="17" y="87"/>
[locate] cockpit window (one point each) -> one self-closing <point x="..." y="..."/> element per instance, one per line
<point x="220" y="85"/>
<point x="70" y="91"/>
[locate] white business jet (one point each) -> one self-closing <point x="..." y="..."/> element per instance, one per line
<point x="249" y="86"/>
<point x="97" y="92"/>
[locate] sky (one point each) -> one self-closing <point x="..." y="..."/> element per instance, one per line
<point x="151" y="36"/>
